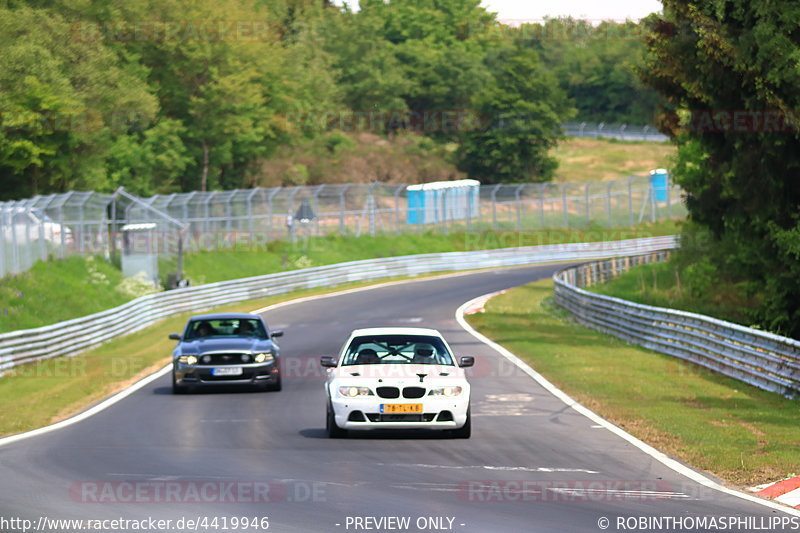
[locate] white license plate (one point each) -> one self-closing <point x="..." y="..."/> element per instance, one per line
<point x="228" y="371"/>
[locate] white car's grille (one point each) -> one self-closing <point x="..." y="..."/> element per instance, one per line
<point x="394" y="392"/>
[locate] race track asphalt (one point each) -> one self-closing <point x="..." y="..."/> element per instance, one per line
<point x="532" y="463"/>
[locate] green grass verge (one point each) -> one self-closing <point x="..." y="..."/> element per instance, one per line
<point x="38" y="394"/>
<point x="61" y="290"/>
<point x="739" y="433"/>
<point x="584" y="159"/>
<point x="669" y="285"/>
<point x="277" y="256"/>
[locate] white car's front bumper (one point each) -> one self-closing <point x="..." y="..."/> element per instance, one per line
<point x="364" y="412"/>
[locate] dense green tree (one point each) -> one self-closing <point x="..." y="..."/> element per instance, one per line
<point x="521" y="113"/>
<point x="596" y="65"/>
<point x="60" y="101"/>
<point x="151" y="161"/>
<point x="728" y="72"/>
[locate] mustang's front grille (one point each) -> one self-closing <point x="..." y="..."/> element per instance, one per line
<point x="247" y="373"/>
<point x="388" y="392"/>
<point x="225" y="359"/>
<point x="413" y="392"/>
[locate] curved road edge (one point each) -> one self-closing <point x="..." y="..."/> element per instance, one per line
<point x="597" y="419"/>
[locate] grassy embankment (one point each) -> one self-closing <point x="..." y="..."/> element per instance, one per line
<point x="409" y="158"/>
<point x="684" y="287"/>
<point x="608" y="159"/>
<point x="742" y="434"/>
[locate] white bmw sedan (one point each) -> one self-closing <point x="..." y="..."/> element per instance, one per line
<point x="397" y="378"/>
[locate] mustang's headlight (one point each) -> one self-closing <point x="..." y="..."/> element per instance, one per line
<point x="352" y="392"/>
<point x="264" y="358"/>
<point x="188" y="359"/>
<point x="445" y="391"/>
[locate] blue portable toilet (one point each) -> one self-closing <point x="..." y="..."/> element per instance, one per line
<point x="439" y="201"/>
<point x="659" y="182"/>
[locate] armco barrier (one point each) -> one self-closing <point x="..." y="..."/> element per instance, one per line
<point x="767" y="361"/>
<point x="74" y="336"/>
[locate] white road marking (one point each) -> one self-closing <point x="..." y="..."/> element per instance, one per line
<point x="606" y="494"/>
<point x="597" y="419"/>
<point x="225" y="420"/>
<point x="489" y="467"/>
<point x="790" y="498"/>
<point x="506" y="405"/>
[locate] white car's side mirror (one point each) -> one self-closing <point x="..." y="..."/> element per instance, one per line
<point x="466" y="361"/>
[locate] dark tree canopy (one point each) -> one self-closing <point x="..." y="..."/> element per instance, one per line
<point x="728" y="74"/>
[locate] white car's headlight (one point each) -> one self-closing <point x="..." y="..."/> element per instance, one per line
<point x="352" y="392"/>
<point x="188" y="359"/>
<point x="445" y="391"/>
<point x="264" y="357"/>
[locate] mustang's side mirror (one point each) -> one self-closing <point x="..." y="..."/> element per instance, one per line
<point x="327" y="361"/>
<point x="175" y="336"/>
<point x="466" y="361"/>
<point x="276" y="333"/>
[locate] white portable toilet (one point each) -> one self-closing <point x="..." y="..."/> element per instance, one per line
<point x="140" y="251"/>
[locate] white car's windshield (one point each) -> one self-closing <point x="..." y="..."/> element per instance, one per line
<point x="397" y="349"/>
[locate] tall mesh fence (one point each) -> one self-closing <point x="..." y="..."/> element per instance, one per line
<point x="83" y="223"/>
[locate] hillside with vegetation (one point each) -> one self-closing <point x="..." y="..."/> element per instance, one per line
<point x="177" y="95"/>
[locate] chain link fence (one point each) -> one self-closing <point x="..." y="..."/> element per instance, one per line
<point x="53" y="226"/>
<point x="82" y="223"/>
<point x="623" y="132"/>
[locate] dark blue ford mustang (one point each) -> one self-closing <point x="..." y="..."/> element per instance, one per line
<point x="226" y="349"/>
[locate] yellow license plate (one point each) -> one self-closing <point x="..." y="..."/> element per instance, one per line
<point x="401" y="408"/>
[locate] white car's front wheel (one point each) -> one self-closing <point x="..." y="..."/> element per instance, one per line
<point x="333" y="430"/>
<point x="465" y="431"/>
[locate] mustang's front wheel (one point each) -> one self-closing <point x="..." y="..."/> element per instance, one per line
<point x="178" y="389"/>
<point x="334" y="431"/>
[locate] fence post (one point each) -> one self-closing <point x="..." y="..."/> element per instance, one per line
<point x="494" y="205"/>
<point x="541" y="204"/>
<point x="518" y="200"/>
<point x="250" y="223"/>
<point x="588" y="207"/>
<point x="3" y="226"/>
<point x="564" y="204"/>
<point x="669" y="196"/>
<point x="608" y="205"/>
<point x="270" y="197"/>
<point x="371" y="208"/>
<point x="315" y="197"/>
<point x="397" y="192"/>
<point x="342" y="209"/>
<point x="630" y="201"/>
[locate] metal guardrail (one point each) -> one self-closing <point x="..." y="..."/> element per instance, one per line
<point x="80" y="334"/>
<point x="762" y="359"/>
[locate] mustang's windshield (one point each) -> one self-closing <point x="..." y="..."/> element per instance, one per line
<point x="227" y="327"/>
<point x="397" y="349"/>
